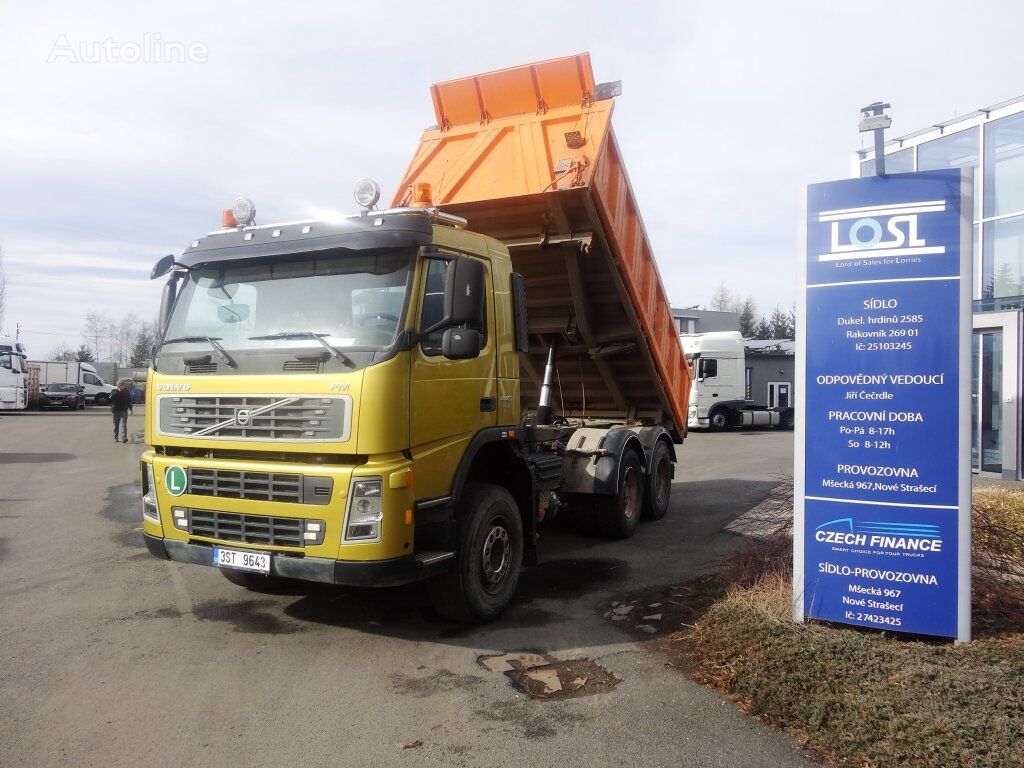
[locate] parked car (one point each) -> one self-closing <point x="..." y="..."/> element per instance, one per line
<point x="61" y="395"/>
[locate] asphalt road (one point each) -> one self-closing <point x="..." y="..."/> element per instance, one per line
<point x="109" y="657"/>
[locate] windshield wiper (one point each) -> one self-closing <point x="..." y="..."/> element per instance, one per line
<point x="213" y="341"/>
<point x="319" y="337"/>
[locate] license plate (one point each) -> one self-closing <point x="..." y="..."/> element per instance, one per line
<point x="244" y="561"/>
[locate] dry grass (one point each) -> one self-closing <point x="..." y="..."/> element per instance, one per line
<point x="862" y="697"/>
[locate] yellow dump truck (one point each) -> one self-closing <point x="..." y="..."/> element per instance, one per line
<point x="407" y="394"/>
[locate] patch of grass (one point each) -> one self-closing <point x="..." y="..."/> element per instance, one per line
<point x="863" y="697"/>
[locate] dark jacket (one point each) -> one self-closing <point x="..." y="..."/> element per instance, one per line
<point x="121" y="400"/>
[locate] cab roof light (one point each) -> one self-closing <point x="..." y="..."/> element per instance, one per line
<point x="422" y="196"/>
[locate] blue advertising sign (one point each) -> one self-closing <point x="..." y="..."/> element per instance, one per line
<point x="882" y="475"/>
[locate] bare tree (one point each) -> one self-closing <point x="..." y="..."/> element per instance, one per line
<point x="63" y="353"/>
<point x="97" y="331"/>
<point x="723" y="300"/>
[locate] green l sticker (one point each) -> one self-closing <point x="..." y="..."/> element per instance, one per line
<point x="175" y="480"/>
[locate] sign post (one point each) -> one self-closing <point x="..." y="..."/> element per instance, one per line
<point x="882" y="470"/>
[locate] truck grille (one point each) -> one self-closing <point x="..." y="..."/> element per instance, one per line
<point x="296" y="418"/>
<point x="247" y="529"/>
<point x="259" y="486"/>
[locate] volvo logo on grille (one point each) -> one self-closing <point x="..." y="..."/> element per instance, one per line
<point x="243" y="416"/>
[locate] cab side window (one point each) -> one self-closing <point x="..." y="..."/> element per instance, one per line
<point x="708" y="367"/>
<point x="433" y="309"/>
<point x="88" y="378"/>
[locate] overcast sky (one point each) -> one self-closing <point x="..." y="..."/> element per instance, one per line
<point x="727" y="109"/>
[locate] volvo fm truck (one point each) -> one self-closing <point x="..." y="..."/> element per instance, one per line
<point x="407" y="394"/>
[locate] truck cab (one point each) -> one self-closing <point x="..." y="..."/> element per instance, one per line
<point x="13" y="375"/>
<point x="718" y="390"/>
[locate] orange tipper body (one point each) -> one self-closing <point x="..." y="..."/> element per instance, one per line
<point x="528" y="155"/>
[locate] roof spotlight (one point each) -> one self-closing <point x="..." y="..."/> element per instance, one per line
<point x="367" y="193"/>
<point x="244" y="211"/>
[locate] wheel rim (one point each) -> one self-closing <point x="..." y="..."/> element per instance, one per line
<point x="629" y="495"/>
<point x="662" y="481"/>
<point x="718" y="420"/>
<point x="496" y="557"/>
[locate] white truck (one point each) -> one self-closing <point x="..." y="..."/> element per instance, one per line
<point x="718" y="390"/>
<point x="96" y="389"/>
<point x="14" y="375"/>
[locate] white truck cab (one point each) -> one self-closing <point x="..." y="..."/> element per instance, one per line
<point x="718" y="390"/>
<point x="13" y="375"/>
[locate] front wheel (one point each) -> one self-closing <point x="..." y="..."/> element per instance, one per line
<point x="101" y="399"/>
<point x="488" y="557"/>
<point x="787" y="421"/>
<point x="719" y="420"/>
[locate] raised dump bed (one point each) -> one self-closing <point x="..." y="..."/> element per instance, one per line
<point x="528" y="155"/>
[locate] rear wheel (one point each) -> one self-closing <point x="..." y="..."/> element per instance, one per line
<point x="488" y="557"/>
<point x="659" y="483"/>
<point x="719" y="420"/>
<point x="787" y="420"/>
<point x="619" y="513"/>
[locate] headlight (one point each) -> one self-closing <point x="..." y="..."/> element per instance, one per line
<point x="150" y="510"/>
<point x="365" y="509"/>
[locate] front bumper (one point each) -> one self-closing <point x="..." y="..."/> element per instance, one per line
<point x="351" y="573"/>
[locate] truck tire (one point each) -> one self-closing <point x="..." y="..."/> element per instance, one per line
<point x="617" y="514"/>
<point x="718" y="421"/>
<point x="101" y="399"/>
<point x="256" y="582"/>
<point x="659" y="483"/>
<point x="488" y="557"/>
<point x="787" y="420"/>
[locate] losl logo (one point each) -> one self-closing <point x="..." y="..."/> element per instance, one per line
<point x="875" y="231"/>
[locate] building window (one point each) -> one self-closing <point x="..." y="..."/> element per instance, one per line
<point x="1004" y="166"/>
<point x="897" y="162"/>
<point x="957" y="150"/>
<point x="1003" y="258"/>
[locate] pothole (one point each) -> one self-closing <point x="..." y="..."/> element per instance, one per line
<point x="542" y="676"/>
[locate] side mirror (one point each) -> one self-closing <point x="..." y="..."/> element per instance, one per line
<point x="162" y="267"/>
<point x="463" y="291"/>
<point x="232" y="313"/>
<point x="460" y="344"/>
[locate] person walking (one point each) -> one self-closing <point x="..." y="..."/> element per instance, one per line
<point x="121" y="406"/>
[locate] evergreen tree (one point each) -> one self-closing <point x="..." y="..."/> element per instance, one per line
<point x="764" y="329"/>
<point x="780" y="325"/>
<point x="748" y="317"/>
<point x="84" y="354"/>
<point x="141" y="350"/>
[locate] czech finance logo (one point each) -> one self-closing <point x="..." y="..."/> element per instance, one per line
<point x="175" y="480"/>
<point x="877" y="534"/>
<point x="876" y="231"/>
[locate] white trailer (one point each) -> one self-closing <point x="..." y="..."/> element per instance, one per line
<point x="718" y="389"/>
<point x="71" y="372"/>
<point x="13" y="375"/>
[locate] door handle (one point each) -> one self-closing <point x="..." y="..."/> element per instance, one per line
<point x="488" y="405"/>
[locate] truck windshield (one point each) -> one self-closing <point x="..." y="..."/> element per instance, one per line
<point x="353" y="302"/>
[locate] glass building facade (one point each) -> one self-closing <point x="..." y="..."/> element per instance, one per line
<point x="991" y="141"/>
